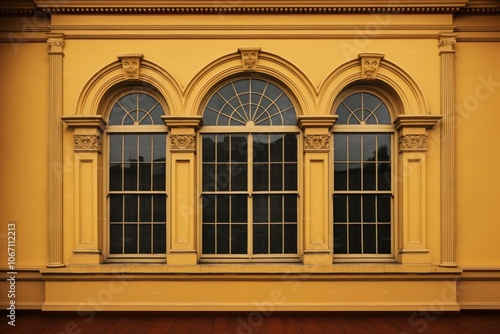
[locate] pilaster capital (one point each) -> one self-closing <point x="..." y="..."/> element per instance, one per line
<point x="55" y="41"/>
<point x="187" y="122"/>
<point x="416" y="121"/>
<point x="85" y="122"/>
<point x="316" y="121"/>
<point x="446" y="42"/>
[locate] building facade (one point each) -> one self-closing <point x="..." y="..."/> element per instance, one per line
<point x="250" y="155"/>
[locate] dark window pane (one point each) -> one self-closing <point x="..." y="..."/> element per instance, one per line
<point x="131" y="208"/>
<point x="369" y="176"/>
<point x="339" y="208"/>
<point x="276" y="208"/>
<point x="290" y="246"/>
<point x="159" y="208"/>
<point x="130" y="147"/>
<point x="369" y="208"/>
<point x="384" y="238"/>
<point x="208" y="208"/>
<point x="260" y="148"/>
<point x="260" y="209"/>
<point x="260" y="177"/>
<point x="145" y="239"/>
<point x="223" y="208"/>
<point x="145" y="210"/>
<point x="354" y="238"/>
<point x="354" y="141"/>
<point x="159" y="176"/>
<point x="290" y="208"/>
<point x="354" y="176"/>
<point x="340" y="144"/>
<point x="208" y="239"/>
<point x="208" y="177"/>
<point x="369" y="239"/>
<point x="145" y="176"/>
<point x="130" y="234"/>
<point x="115" y="148"/>
<point x="291" y="147"/>
<point x="260" y="239"/>
<point x="159" y="238"/>
<point x="290" y="176"/>
<point x="340" y="239"/>
<point x="276" y="147"/>
<point x="354" y="208"/>
<point x="239" y="239"/>
<point x="384" y="147"/>
<point x="145" y="148"/>
<point x="384" y="208"/>
<point x="239" y="208"/>
<point x="276" y="176"/>
<point x="239" y="177"/>
<point x="343" y="113"/>
<point x="222" y="238"/>
<point x="223" y="148"/>
<point x="369" y="148"/>
<point x="130" y="176"/>
<point x="208" y="149"/>
<point x="159" y="147"/>
<point x="116" y="238"/>
<point x="276" y="239"/>
<point x="340" y="177"/>
<point x="115" y="177"/>
<point x="384" y="176"/>
<point x="239" y="148"/>
<point x="383" y="115"/>
<point x="222" y="177"/>
<point x="115" y="208"/>
<point x="116" y="116"/>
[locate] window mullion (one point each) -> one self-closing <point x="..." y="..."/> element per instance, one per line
<point x="250" y="192"/>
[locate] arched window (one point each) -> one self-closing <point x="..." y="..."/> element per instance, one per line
<point x="136" y="192"/>
<point x="249" y="172"/>
<point x="363" y="183"/>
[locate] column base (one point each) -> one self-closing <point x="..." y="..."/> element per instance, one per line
<point x="317" y="258"/>
<point x="89" y="257"/>
<point x="414" y="256"/>
<point x="182" y="258"/>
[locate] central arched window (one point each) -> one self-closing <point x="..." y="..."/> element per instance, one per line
<point x="249" y="172"/>
<point x="363" y="190"/>
<point x="136" y="192"/>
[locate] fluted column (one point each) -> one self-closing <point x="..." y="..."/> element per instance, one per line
<point x="56" y="44"/>
<point x="448" y="178"/>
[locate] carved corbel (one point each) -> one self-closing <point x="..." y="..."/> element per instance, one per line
<point x="370" y="63"/>
<point x="249" y="58"/>
<point x="131" y="63"/>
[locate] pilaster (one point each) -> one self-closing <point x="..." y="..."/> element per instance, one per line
<point x="448" y="178"/>
<point x="317" y="141"/>
<point x="182" y="200"/>
<point x="411" y="182"/>
<point x="87" y="148"/>
<point x="56" y="44"/>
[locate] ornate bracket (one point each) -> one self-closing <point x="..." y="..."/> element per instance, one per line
<point x="131" y="63"/>
<point x="182" y="142"/>
<point x="370" y="63"/>
<point x="249" y="58"/>
<point x="317" y="142"/>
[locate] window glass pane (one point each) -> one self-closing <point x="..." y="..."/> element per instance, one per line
<point x="145" y="211"/>
<point x="384" y="147"/>
<point x="290" y="205"/>
<point x="159" y="238"/>
<point x="239" y="208"/>
<point x="222" y="208"/>
<point x="276" y="146"/>
<point x="339" y="209"/>
<point x="340" y="147"/>
<point x="384" y="176"/>
<point x="144" y="239"/>
<point x="159" y="176"/>
<point x="208" y="208"/>
<point x="383" y="115"/>
<point x="369" y="147"/>
<point x="354" y="203"/>
<point x="260" y="148"/>
<point x="222" y="148"/>
<point x="239" y="148"/>
<point x="290" y="246"/>
<point x="291" y="176"/>
<point x="130" y="176"/>
<point x="260" y="177"/>
<point x="208" y="149"/>
<point x="340" y="177"/>
<point x="115" y="208"/>
<point x="340" y="239"/>
<point x="115" y="238"/>
<point x="238" y="177"/>
<point x="369" y="238"/>
<point x="276" y="208"/>
<point x="130" y="147"/>
<point x="131" y="202"/>
<point x="354" y="176"/>
<point x="115" y="148"/>
<point x="384" y="238"/>
<point x="144" y="176"/>
<point x="116" y="116"/>
<point x="156" y="114"/>
<point x="369" y="176"/>
<point x="276" y="239"/>
<point x="159" y="208"/>
<point x="208" y="177"/>
<point x="354" y="238"/>
<point x="260" y="208"/>
<point x="130" y="238"/>
<point x="145" y="148"/>
<point x="260" y="239"/>
<point x="222" y="177"/>
<point x="369" y="208"/>
<point x="276" y="177"/>
<point x="384" y="208"/>
<point x="354" y="142"/>
<point x="208" y="239"/>
<point x="115" y="177"/>
<point x="291" y="147"/>
<point x="159" y="147"/>
<point x="343" y="114"/>
<point x="222" y="238"/>
<point x="239" y="238"/>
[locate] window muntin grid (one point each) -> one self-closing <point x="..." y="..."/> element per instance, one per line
<point x="363" y="194"/>
<point x="136" y="178"/>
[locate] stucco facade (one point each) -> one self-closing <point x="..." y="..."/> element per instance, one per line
<point x="433" y="64"/>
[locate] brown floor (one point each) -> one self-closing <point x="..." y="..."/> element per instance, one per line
<point x="252" y="323"/>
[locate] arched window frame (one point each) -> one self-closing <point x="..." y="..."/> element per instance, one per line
<point x="111" y="129"/>
<point x="338" y="128"/>
<point x="251" y="130"/>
